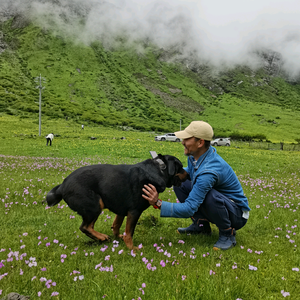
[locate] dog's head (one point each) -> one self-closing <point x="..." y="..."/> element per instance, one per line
<point x="173" y="168"/>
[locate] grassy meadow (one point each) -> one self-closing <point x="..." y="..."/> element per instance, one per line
<point x="43" y="253"/>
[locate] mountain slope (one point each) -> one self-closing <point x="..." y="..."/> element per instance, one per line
<point x="121" y="86"/>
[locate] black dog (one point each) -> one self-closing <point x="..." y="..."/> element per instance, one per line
<point x="88" y="190"/>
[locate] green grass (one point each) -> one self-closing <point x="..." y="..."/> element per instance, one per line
<point x="278" y="124"/>
<point x="183" y="266"/>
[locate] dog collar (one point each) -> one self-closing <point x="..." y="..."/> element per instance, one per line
<point x="161" y="163"/>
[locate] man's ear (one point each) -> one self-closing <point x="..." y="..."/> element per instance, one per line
<point x="201" y="143"/>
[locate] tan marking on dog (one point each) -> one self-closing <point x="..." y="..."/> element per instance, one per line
<point x="182" y="176"/>
<point x="116" y="225"/>
<point x="95" y="235"/>
<point x="127" y="238"/>
<point x="102" y="205"/>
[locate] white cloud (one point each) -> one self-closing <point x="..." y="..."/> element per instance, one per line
<point x="215" y="30"/>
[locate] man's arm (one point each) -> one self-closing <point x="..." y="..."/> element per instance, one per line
<point x="204" y="183"/>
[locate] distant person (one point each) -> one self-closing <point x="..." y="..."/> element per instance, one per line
<point x="82" y="126"/>
<point x="211" y="194"/>
<point x="49" y="138"/>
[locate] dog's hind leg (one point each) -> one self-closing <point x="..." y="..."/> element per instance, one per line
<point x="89" y="219"/>
<point x="132" y="218"/>
<point x="88" y="229"/>
<point x="116" y="225"/>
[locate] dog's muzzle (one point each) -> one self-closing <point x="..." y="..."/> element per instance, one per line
<point x="176" y="181"/>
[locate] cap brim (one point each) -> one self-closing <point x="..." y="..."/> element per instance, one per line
<point x="182" y="134"/>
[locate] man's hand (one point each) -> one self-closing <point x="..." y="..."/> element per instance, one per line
<point x="150" y="194"/>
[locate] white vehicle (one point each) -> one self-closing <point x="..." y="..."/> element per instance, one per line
<point x="168" y="137"/>
<point x="221" y="142"/>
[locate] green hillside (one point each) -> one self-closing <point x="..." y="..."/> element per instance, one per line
<point x="122" y="87"/>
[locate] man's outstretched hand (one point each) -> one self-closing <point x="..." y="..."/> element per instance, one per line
<point x="150" y="194"/>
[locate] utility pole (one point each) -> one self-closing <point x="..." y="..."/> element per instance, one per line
<point x="40" y="87"/>
<point x="180" y="124"/>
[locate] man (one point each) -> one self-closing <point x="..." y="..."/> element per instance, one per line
<point x="49" y="138"/>
<point x="212" y="193"/>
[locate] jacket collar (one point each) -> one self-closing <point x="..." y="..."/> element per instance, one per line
<point x="198" y="163"/>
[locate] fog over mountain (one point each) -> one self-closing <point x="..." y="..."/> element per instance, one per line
<point x="221" y="33"/>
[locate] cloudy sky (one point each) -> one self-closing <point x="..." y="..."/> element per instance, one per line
<point x="217" y="31"/>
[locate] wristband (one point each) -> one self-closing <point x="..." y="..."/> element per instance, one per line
<point x="157" y="205"/>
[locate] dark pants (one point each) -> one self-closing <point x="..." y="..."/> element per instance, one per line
<point x="216" y="208"/>
<point x="49" y="140"/>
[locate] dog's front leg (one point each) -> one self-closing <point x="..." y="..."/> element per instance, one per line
<point x="117" y="224"/>
<point x="132" y="218"/>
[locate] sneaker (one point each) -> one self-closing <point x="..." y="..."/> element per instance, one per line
<point x="197" y="227"/>
<point x="226" y="240"/>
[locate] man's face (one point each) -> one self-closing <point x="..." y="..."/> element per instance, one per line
<point x="191" y="146"/>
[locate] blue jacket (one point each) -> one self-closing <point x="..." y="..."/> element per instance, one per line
<point x="210" y="171"/>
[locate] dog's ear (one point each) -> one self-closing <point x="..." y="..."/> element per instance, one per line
<point x="179" y="165"/>
<point x="171" y="163"/>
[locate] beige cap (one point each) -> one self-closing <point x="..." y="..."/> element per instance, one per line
<point x="198" y="129"/>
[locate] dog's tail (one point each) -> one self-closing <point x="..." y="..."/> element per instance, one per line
<point x="54" y="196"/>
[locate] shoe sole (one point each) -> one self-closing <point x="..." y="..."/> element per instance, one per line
<point x="217" y="249"/>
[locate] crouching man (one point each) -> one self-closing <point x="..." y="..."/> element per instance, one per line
<point x="212" y="193"/>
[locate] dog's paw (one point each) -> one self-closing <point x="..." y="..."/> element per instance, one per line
<point x="103" y="237"/>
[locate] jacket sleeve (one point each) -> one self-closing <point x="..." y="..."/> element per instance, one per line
<point x="204" y="183"/>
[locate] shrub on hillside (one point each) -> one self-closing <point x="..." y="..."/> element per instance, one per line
<point x="247" y="136"/>
<point x="97" y="118"/>
<point x="9" y="97"/>
<point x="297" y="141"/>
